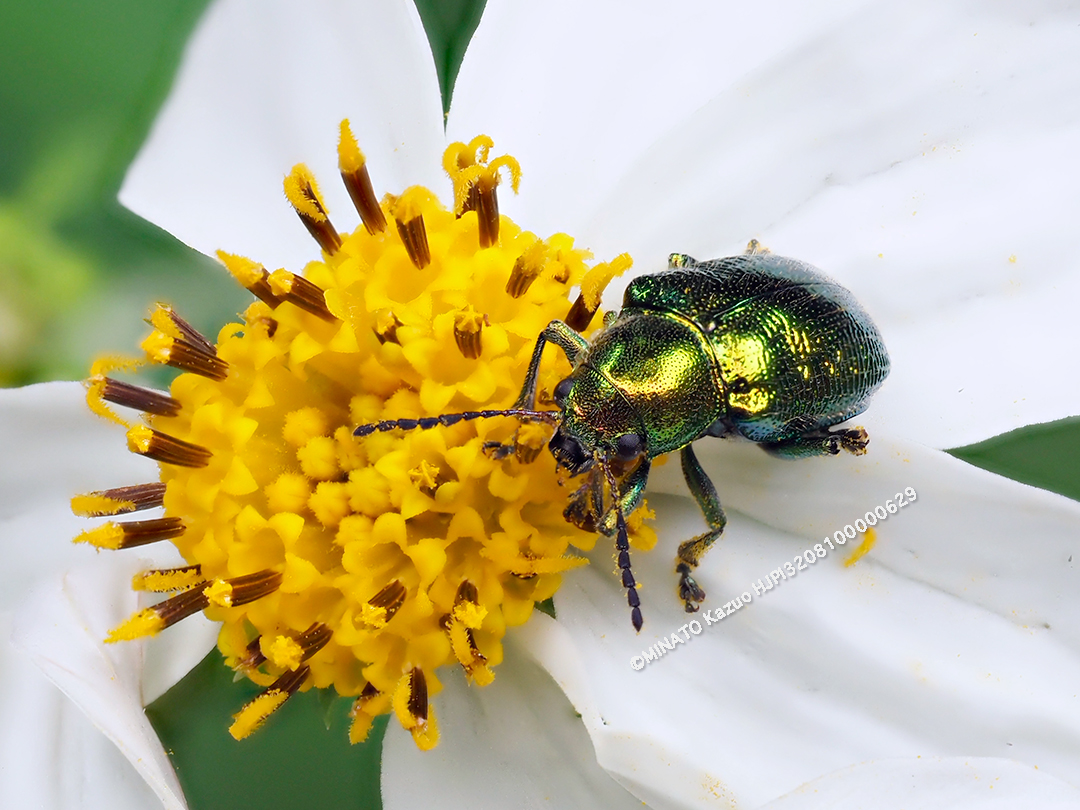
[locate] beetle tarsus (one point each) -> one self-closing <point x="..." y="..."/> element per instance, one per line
<point x="854" y="440"/>
<point x="499" y="450"/>
<point x="689" y="591"/>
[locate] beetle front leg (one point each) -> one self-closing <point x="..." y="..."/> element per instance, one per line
<point x="566" y="339"/>
<point x="572" y="345"/>
<point x="691" y="551"/>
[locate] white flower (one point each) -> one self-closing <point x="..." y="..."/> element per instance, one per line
<point x="921" y="154"/>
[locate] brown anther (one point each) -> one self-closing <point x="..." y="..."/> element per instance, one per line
<point x="390" y="598"/>
<point x="268" y="323"/>
<point x="414" y="238"/>
<point x="178" y="344"/>
<point x="261" y="290"/>
<point x="592" y="288"/>
<point x="140" y="399"/>
<point x="487" y="209"/>
<point x="300" y="292"/>
<point x="314" y="639"/>
<point x="182" y="605"/>
<point x="466" y="592"/>
<point x="468" y="327"/>
<point x="363" y="196"/>
<point x="250" y="587"/>
<point x="580" y="314"/>
<point x="164" y="448"/>
<point x="354" y="174"/>
<point x="291" y="681"/>
<point x="252" y="275"/>
<point x="471" y="201"/>
<point x="367" y="694"/>
<point x="124" y="500"/>
<point x="253" y="656"/>
<point x="303" y="194"/>
<point x="143" y="532"/>
<point x="418" y="694"/>
<point x="527" y="269"/>
<point x="478" y="657"/>
<point x="386" y="326"/>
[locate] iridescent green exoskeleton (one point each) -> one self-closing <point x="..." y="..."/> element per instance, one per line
<point x="758" y="346"/>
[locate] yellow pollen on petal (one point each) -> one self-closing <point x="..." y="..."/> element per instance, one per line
<point x="363" y="564"/>
<point x="869" y="538"/>
<point x="303" y="193"/>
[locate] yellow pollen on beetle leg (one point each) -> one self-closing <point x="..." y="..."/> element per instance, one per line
<point x="407" y="550"/>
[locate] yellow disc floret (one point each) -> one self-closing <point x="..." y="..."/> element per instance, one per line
<point x="364" y="565"/>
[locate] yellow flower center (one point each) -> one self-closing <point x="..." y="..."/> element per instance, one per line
<point x="361" y="564"/>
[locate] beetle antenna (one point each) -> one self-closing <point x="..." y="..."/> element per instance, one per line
<point x="622" y="545"/>
<point x="447" y="419"/>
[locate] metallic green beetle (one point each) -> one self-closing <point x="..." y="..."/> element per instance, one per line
<point x="758" y="346"/>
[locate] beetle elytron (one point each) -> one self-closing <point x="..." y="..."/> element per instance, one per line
<point x="757" y="345"/>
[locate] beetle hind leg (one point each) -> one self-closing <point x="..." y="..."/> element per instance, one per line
<point x="691" y="551"/>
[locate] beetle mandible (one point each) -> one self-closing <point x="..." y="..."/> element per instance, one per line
<point x="759" y="346"/>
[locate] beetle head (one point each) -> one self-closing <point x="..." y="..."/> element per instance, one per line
<point x="597" y="423"/>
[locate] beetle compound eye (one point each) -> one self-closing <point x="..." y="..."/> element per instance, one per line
<point x="629" y="446"/>
<point x="562" y="391"/>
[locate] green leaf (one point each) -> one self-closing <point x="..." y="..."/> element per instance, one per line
<point x="1041" y="455"/>
<point x="296" y="760"/>
<point x="449" y="25"/>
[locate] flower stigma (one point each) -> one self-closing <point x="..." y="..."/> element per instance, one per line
<point x="361" y="565"/>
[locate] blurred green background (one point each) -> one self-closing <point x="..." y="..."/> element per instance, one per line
<point x="80" y="84"/>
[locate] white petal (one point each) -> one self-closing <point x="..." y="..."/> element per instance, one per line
<point x="985" y="539"/>
<point x="51" y="756"/>
<point x="515" y="743"/>
<point x="933" y="784"/>
<point x="53" y="448"/>
<point x="833" y="667"/>
<point x="62" y="627"/>
<point x="921" y="154"/>
<point x="576" y="91"/>
<point x="263" y="86"/>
